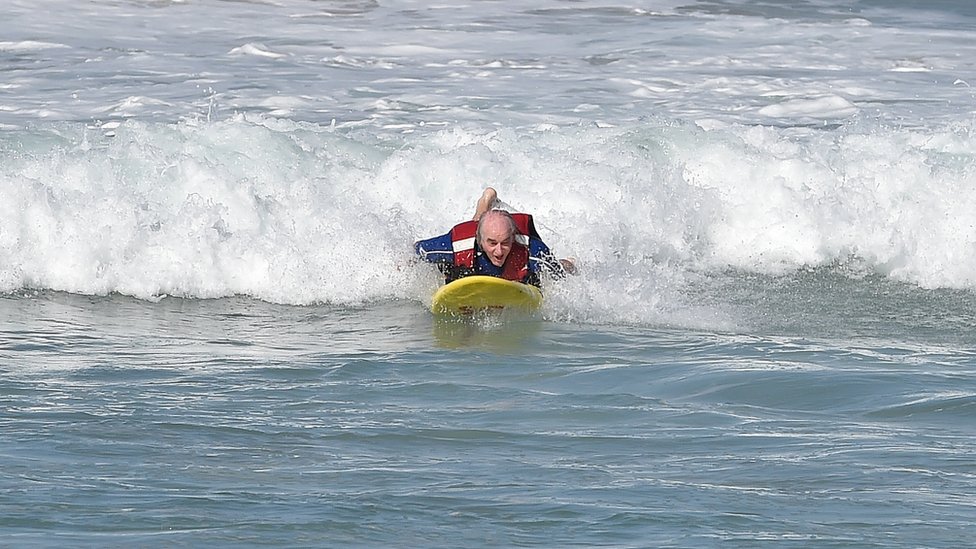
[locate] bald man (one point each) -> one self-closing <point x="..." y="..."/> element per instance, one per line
<point x="493" y="243"/>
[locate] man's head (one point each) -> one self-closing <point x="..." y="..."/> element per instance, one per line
<point x="496" y="235"/>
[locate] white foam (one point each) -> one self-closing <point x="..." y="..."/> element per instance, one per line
<point x="297" y="213"/>
<point x="257" y="50"/>
<point x="827" y="107"/>
<point x="30" y="46"/>
<point x="450" y="64"/>
<point x="133" y="105"/>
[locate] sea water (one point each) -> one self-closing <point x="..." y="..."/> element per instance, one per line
<point x="212" y="331"/>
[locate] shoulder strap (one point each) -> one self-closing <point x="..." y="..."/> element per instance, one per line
<point x="462" y="242"/>
<point x="525" y="225"/>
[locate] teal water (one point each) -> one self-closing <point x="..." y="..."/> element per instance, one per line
<point x="212" y="334"/>
<point x="235" y="422"/>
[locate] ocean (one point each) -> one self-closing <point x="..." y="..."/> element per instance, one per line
<point x="213" y="332"/>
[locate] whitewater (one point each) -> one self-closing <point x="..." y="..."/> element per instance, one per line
<point x="213" y="329"/>
<point x="260" y="165"/>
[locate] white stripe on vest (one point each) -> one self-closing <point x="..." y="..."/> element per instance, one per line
<point x="463" y="244"/>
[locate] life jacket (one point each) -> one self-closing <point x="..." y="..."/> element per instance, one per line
<point x="516" y="267"/>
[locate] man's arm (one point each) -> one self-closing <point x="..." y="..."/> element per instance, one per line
<point x="542" y="259"/>
<point x="438" y="249"/>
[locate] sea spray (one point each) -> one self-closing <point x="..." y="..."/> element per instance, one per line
<point x="299" y="213"/>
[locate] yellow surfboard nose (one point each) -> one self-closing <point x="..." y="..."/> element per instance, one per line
<point x="471" y="294"/>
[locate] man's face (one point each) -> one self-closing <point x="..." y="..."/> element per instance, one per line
<point x="496" y="239"/>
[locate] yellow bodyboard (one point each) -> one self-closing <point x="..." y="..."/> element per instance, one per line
<point x="471" y="294"/>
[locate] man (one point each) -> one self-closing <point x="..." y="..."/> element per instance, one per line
<point x="493" y="243"/>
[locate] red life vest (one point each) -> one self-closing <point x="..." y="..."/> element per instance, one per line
<point x="516" y="266"/>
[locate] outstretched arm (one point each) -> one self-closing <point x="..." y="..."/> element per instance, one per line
<point x="543" y="260"/>
<point x="485" y="203"/>
<point x="435" y="250"/>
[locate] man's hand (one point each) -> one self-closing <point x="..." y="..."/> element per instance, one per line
<point x="569" y="265"/>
